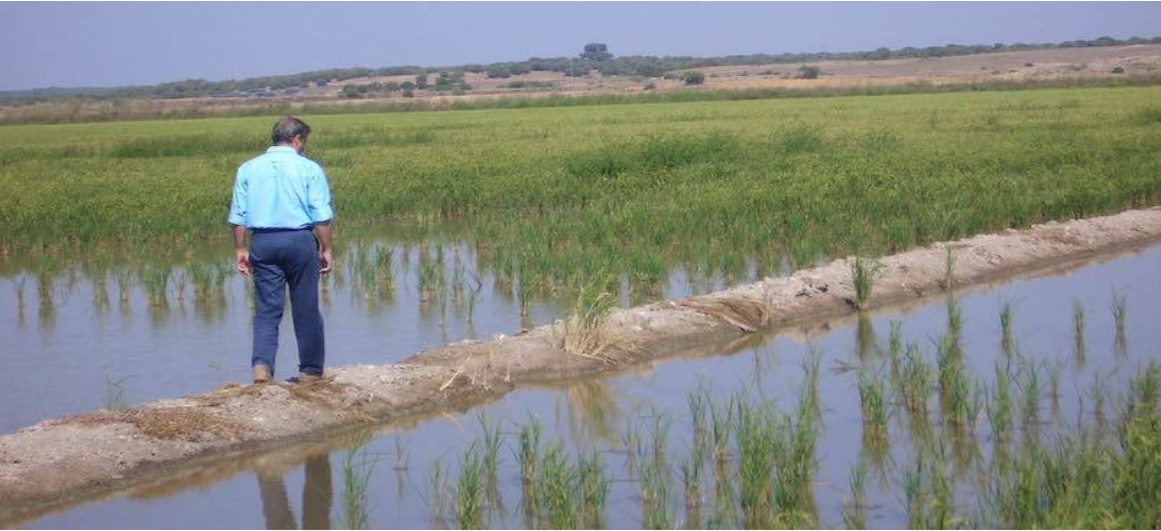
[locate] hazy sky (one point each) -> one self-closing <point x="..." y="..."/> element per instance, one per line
<point x="144" y="43"/>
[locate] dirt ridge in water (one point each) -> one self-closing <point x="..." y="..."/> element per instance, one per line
<point x="63" y="462"/>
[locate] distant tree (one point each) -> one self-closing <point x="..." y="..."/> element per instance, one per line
<point x="595" y="51"/>
<point x="421" y="81"/>
<point x="498" y="71"/>
<point x="693" y="77"/>
<point x="808" y="72"/>
<point x="352" y="91"/>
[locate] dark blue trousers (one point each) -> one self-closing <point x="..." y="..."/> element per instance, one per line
<point x="278" y="260"/>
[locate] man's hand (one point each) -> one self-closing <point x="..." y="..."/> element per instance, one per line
<point x="241" y="254"/>
<point x="242" y="261"/>
<point x="325" y="261"/>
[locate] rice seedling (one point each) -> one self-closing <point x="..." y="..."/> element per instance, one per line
<point x="872" y="398"/>
<point x="1079" y="350"/>
<point x="470" y="490"/>
<point x="582" y="332"/>
<point x="722" y="423"/>
<point x="357" y="471"/>
<point x="529" y="449"/>
<point x="1119" y="309"/>
<point x="916" y="381"/>
<point x="492" y="440"/>
<point x="811" y="367"/>
<point x="558" y="490"/>
<point x="1030" y="406"/>
<point x="401" y="460"/>
<point x="594" y="490"/>
<point x="855" y="509"/>
<point x="440" y="488"/>
<point x="895" y="348"/>
<point x="954" y="322"/>
<point x="866" y="343"/>
<point x="949" y="270"/>
<point x="954" y="384"/>
<point x="1006" y="314"/>
<point x="999" y="408"/>
<point x="863" y="272"/>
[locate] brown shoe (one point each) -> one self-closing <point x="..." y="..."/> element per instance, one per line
<point x="304" y="378"/>
<point x="262" y="374"/>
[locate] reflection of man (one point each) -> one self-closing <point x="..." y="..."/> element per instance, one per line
<point x="317" y="496"/>
<point x="282" y="198"/>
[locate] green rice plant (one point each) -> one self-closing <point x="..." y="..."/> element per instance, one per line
<point x="811" y="372"/>
<point x="492" y="440"/>
<point x="949" y="270"/>
<point x="872" y="398"/>
<point x="954" y="322"/>
<point x="1006" y="314"/>
<point x="895" y="350"/>
<point x="866" y="343"/>
<point x="1120" y="310"/>
<point x="470" y="490"/>
<point x="863" y="272"/>
<point x="529" y="449"/>
<point x="1000" y="407"/>
<point x="156" y="281"/>
<point x="357" y="471"/>
<point x="401" y="461"/>
<point x="594" y="490"/>
<point x="582" y="332"/>
<point x="916" y="381"/>
<point x="654" y="477"/>
<point x="757" y="432"/>
<point x="723" y="425"/>
<point x="855" y="509"/>
<point x="1054" y="394"/>
<point x="1030" y="406"/>
<point x="1079" y="349"/>
<point x="698" y="402"/>
<point x="557" y="493"/>
<point x="954" y="384"/>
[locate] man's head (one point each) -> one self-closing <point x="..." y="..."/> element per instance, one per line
<point x="290" y="131"/>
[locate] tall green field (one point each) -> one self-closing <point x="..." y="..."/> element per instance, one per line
<point x="632" y="190"/>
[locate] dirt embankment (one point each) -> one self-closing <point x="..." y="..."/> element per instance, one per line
<point x="63" y="462"/>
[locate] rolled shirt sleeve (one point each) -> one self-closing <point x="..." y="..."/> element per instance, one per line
<point x="319" y="198"/>
<point x="238" y="203"/>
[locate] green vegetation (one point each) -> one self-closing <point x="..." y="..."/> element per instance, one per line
<point x="1088" y="476"/>
<point x="547" y="197"/>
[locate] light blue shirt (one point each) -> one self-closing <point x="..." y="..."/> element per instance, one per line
<point x="280" y="189"/>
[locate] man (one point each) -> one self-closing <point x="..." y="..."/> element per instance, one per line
<point x="282" y="198"/>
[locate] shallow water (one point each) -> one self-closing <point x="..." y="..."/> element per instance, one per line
<point x="275" y="491"/>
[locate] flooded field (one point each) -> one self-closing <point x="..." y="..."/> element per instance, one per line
<point x="1066" y="347"/>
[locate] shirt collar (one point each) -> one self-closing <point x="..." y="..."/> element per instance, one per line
<point x="280" y="149"/>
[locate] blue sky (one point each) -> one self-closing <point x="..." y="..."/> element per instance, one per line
<point x="143" y="43"/>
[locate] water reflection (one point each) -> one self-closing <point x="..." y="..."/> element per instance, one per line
<point x="317" y="495"/>
<point x="936" y="354"/>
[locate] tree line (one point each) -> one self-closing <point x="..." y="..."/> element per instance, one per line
<point x="595" y="58"/>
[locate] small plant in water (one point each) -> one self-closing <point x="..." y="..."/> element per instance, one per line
<point x="863" y="272"/>
<point x="357" y="469"/>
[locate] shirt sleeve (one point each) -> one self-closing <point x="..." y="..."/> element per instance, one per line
<point x="238" y="207"/>
<point x="319" y="198"/>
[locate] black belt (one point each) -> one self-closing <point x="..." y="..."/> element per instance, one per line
<point x="268" y="230"/>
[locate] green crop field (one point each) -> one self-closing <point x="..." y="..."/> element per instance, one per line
<point x="630" y="189"/>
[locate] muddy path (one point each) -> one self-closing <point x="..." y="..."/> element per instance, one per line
<point x="148" y="449"/>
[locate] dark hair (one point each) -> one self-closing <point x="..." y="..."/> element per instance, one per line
<point x="287" y="128"/>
